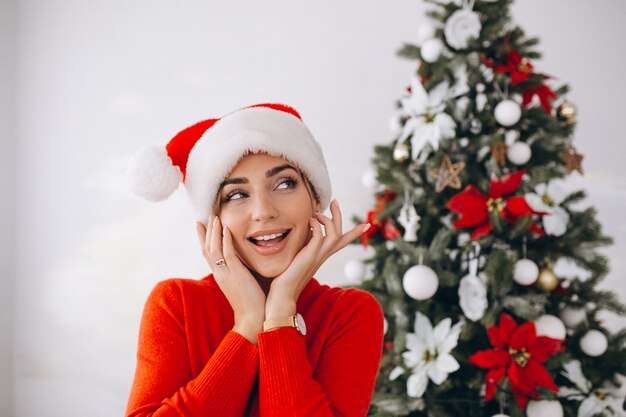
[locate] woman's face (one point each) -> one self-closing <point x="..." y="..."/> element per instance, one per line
<point x="266" y="205"/>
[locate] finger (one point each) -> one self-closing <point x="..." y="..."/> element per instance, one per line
<point x="353" y="234"/>
<point x="317" y="238"/>
<point x="230" y="256"/>
<point x="209" y="230"/>
<point x="329" y="226"/>
<point x="336" y="212"/>
<point x="216" y="240"/>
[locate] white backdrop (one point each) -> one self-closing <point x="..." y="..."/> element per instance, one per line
<point x="96" y="80"/>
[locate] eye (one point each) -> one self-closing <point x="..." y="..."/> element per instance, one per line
<point x="287" y="183"/>
<point x="234" y="195"/>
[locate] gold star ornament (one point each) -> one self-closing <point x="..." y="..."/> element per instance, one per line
<point x="572" y="160"/>
<point x="447" y="175"/>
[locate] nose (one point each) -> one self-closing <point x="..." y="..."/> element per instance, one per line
<point x="264" y="207"/>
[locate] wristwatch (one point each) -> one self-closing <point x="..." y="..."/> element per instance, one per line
<point x="290" y="321"/>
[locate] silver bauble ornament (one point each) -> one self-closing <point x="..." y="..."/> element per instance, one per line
<point x="525" y="272"/>
<point x="544" y="408"/>
<point x="420" y="282"/>
<point x="594" y="343"/>
<point x="431" y="50"/>
<point x="551" y="326"/>
<point x="508" y="112"/>
<point x="519" y="153"/>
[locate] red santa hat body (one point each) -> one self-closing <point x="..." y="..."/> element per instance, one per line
<point x="203" y="155"/>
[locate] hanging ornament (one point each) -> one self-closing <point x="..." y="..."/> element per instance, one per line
<point x="543" y="408"/>
<point x="519" y="153"/>
<point x="550" y="326"/>
<point x="408" y="218"/>
<point x="447" y="175"/>
<point x="498" y="152"/>
<point x="573" y="316"/>
<point x="567" y="112"/>
<point x="546" y="281"/>
<point x="572" y="160"/>
<point x="508" y="112"/>
<point x="475" y="126"/>
<point x="481" y="101"/>
<point x="420" y="282"/>
<point x="594" y="343"/>
<point x="472" y="289"/>
<point x="401" y="152"/>
<point x="525" y="272"/>
<point x="369" y="180"/>
<point x="431" y="50"/>
<point x="354" y="270"/>
<point x="425" y="31"/>
<point x="462" y="26"/>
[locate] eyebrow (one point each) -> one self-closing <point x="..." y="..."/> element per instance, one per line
<point x="268" y="174"/>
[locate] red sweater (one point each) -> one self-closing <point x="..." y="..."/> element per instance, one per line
<point x="190" y="363"/>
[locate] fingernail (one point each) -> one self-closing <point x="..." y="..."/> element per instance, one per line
<point x="336" y="203"/>
<point x="366" y="228"/>
<point x="215" y="220"/>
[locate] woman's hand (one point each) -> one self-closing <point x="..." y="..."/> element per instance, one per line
<point x="286" y="288"/>
<point x="243" y="292"/>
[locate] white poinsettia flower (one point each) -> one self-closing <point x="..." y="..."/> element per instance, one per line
<point x="428" y="355"/>
<point x="593" y="402"/>
<point x="427" y="122"/>
<point x="547" y="199"/>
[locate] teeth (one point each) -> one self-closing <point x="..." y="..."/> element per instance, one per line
<point x="269" y="237"/>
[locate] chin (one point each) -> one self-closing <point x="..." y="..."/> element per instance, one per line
<point x="270" y="270"/>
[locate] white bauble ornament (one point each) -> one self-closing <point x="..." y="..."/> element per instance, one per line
<point x="594" y="343"/>
<point x="519" y="153"/>
<point x="431" y="50"/>
<point x="510" y="137"/>
<point x="354" y="270"/>
<point x="461" y="26"/>
<point x="425" y="32"/>
<point x="508" y="112"/>
<point x="420" y="282"/>
<point x="573" y="316"/>
<point x="544" y="408"/>
<point x="525" y="272"/>
<point x="551" y="326"/>
<point x="369" y="180"/>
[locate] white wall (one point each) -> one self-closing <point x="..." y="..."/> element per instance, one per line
<point x="98" y="79"/>
<point x="7" y="202"/>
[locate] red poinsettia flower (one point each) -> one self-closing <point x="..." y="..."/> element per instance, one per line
<point x="520" y="68"/>
<point x="388" y="230"/>
<point x="544" y="93"/>
<point x="518" y="354"/>
<point x="475" y="208"/>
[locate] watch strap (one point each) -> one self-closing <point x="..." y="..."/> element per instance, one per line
<point x="288" y="321"/>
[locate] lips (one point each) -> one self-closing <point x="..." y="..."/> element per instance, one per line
<point x="270" y="243"/>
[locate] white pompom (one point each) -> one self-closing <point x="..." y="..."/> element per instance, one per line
<point x="573" y="316"/>
<point x="550" y="326"/>
<point x="152" y="175"/>
<point x="420" y="282"/>
<point x="544" y="408"/>
<point x="525" y="272"/>
<point x="369" y="180"/>
<point x="431" y="50"/>
<point x="508" y="112"/>
<point x="594" y="343"/>
<point x="354" y="270"/>
<point x="519" y="153"/>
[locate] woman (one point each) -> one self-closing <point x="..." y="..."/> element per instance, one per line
<point x="259" y="336"/>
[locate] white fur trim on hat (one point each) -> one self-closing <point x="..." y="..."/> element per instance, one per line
<point x="252" y="130"/>
<point x="152" y="175"/>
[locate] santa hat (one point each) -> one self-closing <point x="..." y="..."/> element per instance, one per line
<point x="203" y="155"/>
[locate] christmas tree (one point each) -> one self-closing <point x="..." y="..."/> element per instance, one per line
<point x="472" y="211"/>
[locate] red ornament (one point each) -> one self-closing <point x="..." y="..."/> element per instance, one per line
<point x="475" y="207"/>
<point x="388" y="230"/>
<point x="518" y="354"/>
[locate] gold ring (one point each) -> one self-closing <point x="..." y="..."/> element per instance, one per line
<point x="220" y="262"/>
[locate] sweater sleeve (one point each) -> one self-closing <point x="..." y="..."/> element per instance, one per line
<point x="342" y="383"/>
<point x="163" y="385"/>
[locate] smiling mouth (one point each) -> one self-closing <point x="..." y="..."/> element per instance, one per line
<point x="269" y="240"/>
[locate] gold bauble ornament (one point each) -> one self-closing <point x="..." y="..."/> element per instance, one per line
<point x="567" y="112"/>
<point x="401" y="152"/>
<point x="547" y="281"/>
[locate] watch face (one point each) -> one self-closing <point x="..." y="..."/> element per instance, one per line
<point x="300" y="324"/>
